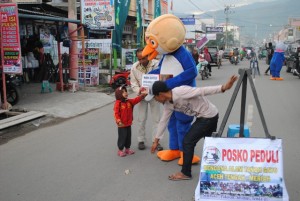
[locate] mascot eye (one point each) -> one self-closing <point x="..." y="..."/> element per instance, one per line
<point x="152" y="42"/>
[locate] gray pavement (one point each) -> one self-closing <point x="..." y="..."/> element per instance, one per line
<point x="63" y="104"/>
<point x="279" y="102"/>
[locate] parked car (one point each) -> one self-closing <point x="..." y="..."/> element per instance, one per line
<point x="213" y="50"/>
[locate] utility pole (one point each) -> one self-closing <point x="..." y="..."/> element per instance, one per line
<point x="227" y="11"/>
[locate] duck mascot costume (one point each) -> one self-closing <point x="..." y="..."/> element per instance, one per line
<point x="165" y="36"/>
<point x="277" y="61"/>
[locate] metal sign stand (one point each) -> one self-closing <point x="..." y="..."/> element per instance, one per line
<point x="244" y="74"/>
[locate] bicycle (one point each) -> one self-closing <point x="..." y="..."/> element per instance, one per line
<point x="254" y="66"/>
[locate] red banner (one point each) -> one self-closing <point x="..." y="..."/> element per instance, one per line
<point x="9" y="33"/>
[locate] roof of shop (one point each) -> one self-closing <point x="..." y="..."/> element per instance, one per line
<point x="41" y="9"/>
<point x="45" y="12"/>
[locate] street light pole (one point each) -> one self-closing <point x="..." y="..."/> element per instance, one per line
<point x="227" y="12"/>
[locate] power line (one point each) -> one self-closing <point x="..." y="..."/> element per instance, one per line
<point x="204" y="13"/>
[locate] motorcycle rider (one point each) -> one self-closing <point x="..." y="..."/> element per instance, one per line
<point x="235" y="54"/>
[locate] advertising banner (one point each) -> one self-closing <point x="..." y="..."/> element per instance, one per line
<point x="164" y="7"/>
<point x="202" y="42"/>
<point x="10" y="39"/>
<point x="157" y="8"/>
<point x="214" y="29"/>
<point x="104" y="45"/>
<point x="91" y="73"/>
<point x="188" y="21"/>
<point x="98" y="15"/>
<point x="139" y="28"/>
<point x="241" y="169"/>
<point x="128" y="58"/>
<point x="290" y="34"/>
<point x="121" y="13"/>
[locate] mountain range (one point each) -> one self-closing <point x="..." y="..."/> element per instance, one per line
<point x="259" y="20"/>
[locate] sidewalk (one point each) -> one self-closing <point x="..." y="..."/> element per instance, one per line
<point x="63" y="104"/>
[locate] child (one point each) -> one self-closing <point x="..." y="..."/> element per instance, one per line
<point x="123" y="113"/>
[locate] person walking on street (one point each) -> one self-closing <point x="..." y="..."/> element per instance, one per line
<point x="220" y="56"/>
<point x="123" y="113"/>
<point x="195" y="55"/>
<point x="270" y="55"/>
<point x="139" y="68"/>
<point x="191" y="101"/>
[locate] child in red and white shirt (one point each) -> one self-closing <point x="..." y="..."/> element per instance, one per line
<point x="123" y="113"/>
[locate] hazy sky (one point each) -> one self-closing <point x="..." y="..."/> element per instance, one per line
<point x="190" y="7"/>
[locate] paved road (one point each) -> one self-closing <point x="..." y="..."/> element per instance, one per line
<point x="76" y="160"/>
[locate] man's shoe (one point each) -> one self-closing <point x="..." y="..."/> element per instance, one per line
<point x="141" y="146"/>
<point x="159" y="148"/>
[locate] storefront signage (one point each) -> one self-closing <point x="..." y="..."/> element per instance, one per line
<point x="104" y="45"/>
<point x="128" y="58"/>
<point x="188" y="21"/>
<point x="98" y="15"/>
<point x="10" y="39"/>
<point x="91" y="73"/>
<point x="241" y="169"/>
<point x="214" y="29"/>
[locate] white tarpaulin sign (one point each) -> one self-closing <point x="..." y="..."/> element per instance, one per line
<point x="241" y="169"/>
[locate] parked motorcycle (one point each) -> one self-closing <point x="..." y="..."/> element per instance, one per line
<point x="13" y="84"/>
<point x="120" y="78"/>
<point x="290" y="63"/>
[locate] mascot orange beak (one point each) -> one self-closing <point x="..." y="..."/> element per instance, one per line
<point x="150" y="49"/>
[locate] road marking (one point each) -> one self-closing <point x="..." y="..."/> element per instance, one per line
<point x="250" y="116"/>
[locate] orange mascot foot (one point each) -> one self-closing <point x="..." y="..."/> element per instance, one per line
<point x="168" y="155"/>
<point x="279" y="78"/>
<point x="272" y="78"/>
<point x="196" y="159"/>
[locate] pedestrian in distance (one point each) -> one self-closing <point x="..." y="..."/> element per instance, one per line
<point x="139" y="68"/>
<point x="191" y="101"/>
<point x="195" y="55"/>
<point x="270" y="55"/>
<point x="220" y="56"/>
<point x="123" y="113"/>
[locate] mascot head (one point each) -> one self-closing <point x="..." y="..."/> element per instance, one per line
<point x="164" y="34"/>
<point x="280" y="47"/>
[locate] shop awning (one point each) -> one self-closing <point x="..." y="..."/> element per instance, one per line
<point x="44" y="12"/>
